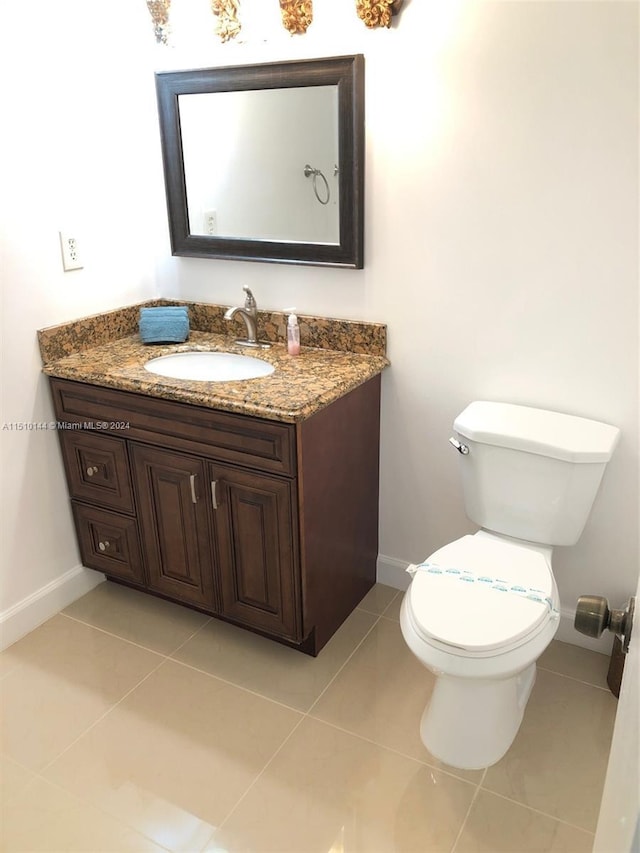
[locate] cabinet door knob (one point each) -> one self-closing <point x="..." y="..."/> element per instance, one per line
<point x="103" y="546"/>
<point x="192" y="483"/>
<point x="91" y="470"/>
<point x="214" y="499"/>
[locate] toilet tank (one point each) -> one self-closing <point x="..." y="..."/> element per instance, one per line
<point x="530" y="473"/>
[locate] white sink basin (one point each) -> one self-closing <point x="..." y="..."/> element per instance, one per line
<point x="209" y="366"/>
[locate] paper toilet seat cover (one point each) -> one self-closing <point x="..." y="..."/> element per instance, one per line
<point x="480" y="593"/>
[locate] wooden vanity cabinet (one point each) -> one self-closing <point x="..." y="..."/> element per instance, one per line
<point x="272" y="526"/>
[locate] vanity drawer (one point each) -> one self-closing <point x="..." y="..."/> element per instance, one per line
<point x="109" y="542"/>
<point x="252" y="442"/>
<point x="97" y="469"/>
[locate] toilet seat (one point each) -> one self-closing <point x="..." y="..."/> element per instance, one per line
<point x="472" y="595"/>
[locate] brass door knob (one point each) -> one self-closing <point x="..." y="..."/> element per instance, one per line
<point x="593" y="616"/>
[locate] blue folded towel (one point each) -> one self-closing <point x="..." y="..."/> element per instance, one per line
<point x="165" y="324"/>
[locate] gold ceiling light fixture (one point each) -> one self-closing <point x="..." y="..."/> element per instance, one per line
<point x="228" y="25"/>
<point x="159" y="11"/>
<point x="377" y="13"/>
<point x="296" y="15"/>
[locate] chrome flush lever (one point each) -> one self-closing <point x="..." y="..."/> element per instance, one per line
<point x="461" y="448"/>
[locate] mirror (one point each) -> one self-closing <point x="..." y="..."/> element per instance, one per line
<point x="266" y="162"/>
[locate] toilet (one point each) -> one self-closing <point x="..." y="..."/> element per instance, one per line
<point x="481" y="610"/>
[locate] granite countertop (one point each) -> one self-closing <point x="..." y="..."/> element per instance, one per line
<point x="300" y="385"/>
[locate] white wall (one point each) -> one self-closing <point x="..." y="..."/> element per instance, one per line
<point x="501" y="240"/>
<point x="78" y="151"/>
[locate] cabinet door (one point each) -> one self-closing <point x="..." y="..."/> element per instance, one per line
<point x="257" y="540"/>
<point x="174" y="524"/>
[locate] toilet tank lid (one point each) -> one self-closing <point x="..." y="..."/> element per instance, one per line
<point x="559" y="436"/>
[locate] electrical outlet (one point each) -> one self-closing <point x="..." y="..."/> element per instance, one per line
<point x="71" y="259"/>
<point x="210" y="223"/>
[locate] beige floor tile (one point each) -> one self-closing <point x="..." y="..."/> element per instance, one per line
<point x="393" y="610"/>
<point x="13" y="778"/>
<point x="496" y="825"/>
<point x="558" y="760"/>
<point x="7" y="663"/>
<point x="328" y="790"/>
<point x="45" y="819"/>
<point x="576" y="662"/>
<point x="175" y="756"/>
<point x="381" y="695"/>
<point x="268" y="668"/>
<point x="378" y="599"/>
<point x="144" y="619"/>
<point x="67" y="675"/>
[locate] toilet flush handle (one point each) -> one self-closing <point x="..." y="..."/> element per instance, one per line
<point x="593" y="617"/>
<point x="461" y="448"/>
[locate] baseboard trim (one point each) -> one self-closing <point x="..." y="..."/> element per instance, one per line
<point x="393" y="573"/>
<point x="45" y="602"/>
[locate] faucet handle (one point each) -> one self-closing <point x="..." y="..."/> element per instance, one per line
<point x="249" y="302"/>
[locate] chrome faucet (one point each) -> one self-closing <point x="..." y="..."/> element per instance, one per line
<point x="250" y="316"/>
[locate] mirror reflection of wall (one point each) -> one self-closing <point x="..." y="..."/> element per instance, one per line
<point x="249" y="181"/>
<point x="266" y="162"/>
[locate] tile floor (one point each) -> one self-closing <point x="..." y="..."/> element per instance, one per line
<point x="130" y="723"/>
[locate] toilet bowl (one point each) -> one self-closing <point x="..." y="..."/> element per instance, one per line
<point x="480" y="611"/>
<point x="478" y="614"/>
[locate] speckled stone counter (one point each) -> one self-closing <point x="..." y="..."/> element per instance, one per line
<point x="106" y="350"/>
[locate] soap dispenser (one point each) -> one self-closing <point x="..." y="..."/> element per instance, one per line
<point x="293" y="335"/>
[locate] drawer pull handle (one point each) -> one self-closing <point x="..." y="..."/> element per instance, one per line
<point x="103" y="546"/>
<point x="214" y="499"/>
<point x="91" y="470"/>
<point x="192" y="483"/>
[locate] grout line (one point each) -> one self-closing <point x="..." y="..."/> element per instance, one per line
<point x="133" y="642"/>
<point x="189" y="638"/>
<point x="422" y="762"/>
<point x="103" y="715"/>
<point x="269" y="698"/>
<point x="304" y="715"/>
<point x="261" y="773"/>
<point x="573" y="678"/>
<point x="8" y="797"/>
<point x="235" y="685"/>
<point x="399" y="593"/>
<point x="339" y="670"/>
<point x="536" y="811"/>
<point x="376" y="612"/>
<point x="115" y="636"/>
<point x="466" y="817"/>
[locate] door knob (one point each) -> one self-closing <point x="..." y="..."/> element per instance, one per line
<point x="593" y="616"/>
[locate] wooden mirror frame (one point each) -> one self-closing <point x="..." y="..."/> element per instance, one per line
<point x="345" y="72"/>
